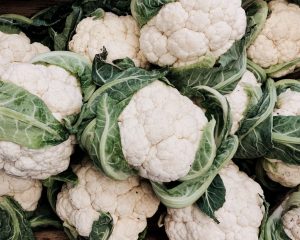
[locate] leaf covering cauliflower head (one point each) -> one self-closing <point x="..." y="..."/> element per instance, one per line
<point x="129" y="202"/>
<point x="278" y="44"/>
<point x="282" y="164"/>
<point x="26" y="192"/>
<point x="118" y="34"/>
<point x="17" y="48"/>
<point x="61" y="93"/>
<point x="239" y="218"/>
<point x="184" y="31"/>
<point x="160" y="132"/>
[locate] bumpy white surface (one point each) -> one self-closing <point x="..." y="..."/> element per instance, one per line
<point x="17" y="48"/>
<point x="240" y="216"/>
<point x="291" y="223"/>
<point x="61" y="92"/>
<point x="238" y="99"/>
<point x="283" y="173"/>
<point x="129" y="202"/>
<point x="118" y="34"/>
<point x="288" y="103"/>
<point x="279" y="41"/>
<point x="160" y="132"/>
<point x="186" y="30"/>
<point x="25" y="191"/>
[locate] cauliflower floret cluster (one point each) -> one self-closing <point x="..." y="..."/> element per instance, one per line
<point x="240" y="217"/>
<point x="129" y="202"/>
<point x="118" y="34"/>
<point x="279" y="41"/>
<point x="291" y="223"/>
<point x="285" y="174"/>
<point x="153" y="138"/>
<point x="239" y="99"/>
<point x="17" y="48"/>
<point x="288" y="104"/>
<point x="61" y="92"/>
<point x="25" y="191"/>
<point x="184" y="31"/>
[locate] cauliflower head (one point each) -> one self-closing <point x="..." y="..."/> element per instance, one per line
<point x="239" y="99"/>
<point x="279" y="41"/>
<point x="26" y="192"/>
<point x="240" y="217"/>
<point x="153" y="138"/>
<point x="118" y="34"/>
<point x="291" y="223"/>
<point x="129" y="202"/>
<point x="17" y="48"/>
<point x="186" y="30"/>
<point x="61" y="92"/>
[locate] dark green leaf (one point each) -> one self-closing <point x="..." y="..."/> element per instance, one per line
<point x="102" y="228"/>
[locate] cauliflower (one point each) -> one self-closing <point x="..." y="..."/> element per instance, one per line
<point x="239" y="99"/>
<point x="61" y="92"/>
<point x="153" y="138"/>
<point x="291" y="223"/>
<point x="277" y="170"/>
<point x="118" y="34"/>
<point x="26" y="192"/>
<point x="129" y="203"/>
<point x="279" y="41"/>
<point x="17" y="48"/>
<point x="185" y="30"/>
<point x="240" y="217"/>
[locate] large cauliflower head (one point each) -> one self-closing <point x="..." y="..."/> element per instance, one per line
<point x="26" y="192"/>
<point x="239" y="99"/>
<point x="17" y="48"/>
<point x="184" y="31"/>
<point x="240" y="216"/>
<point x="160" y="132"/>
<point x="61" y="92"/>
<point x="279" y="41"/>
<point x="129" y="202"/>
<point x="118" y="34"/>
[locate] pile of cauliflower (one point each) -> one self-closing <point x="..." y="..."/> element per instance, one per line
<point x="156" y="137"/>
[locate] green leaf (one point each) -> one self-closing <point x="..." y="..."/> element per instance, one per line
<point x="188" y="192"/>
<point x="26" y="120"/>
<point x="205" y="154"/>
<point x="258" y="72"/>
<point x="102" y="228"/>
<point x="276" y="70"/>
<point x="54" y="184"/>
<point x="13" y="222"/>
<point x="144" y="10"/>
<point x="213" y="198"/>
<point x="223" y="77"/>
<point x="255" y="132"/>
<point x="264" y="221"/>
<point x="75" y="64"/>
<point x="143" y="234"/>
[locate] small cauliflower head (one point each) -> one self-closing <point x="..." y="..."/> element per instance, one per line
<point x="277" y="170"/>
<point x="185" y="31"/>
<point x="118" y="34"/>
<point x="61" y="92"/>
<point x="240" y="217"/>
<point x="26" y="192"/>
<point x="291" y="223"/>
<point x="160" y="132"/>
<point x="17" y="48"/>
<point x="129" y="202"/>
<point x="239" y="99"/>
<point x="279" y="41"/>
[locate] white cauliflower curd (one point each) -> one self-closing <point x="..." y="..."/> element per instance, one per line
<point x="291" y="223"/>
<point x="61" y="92"/>
<point x="279" y="41"/>
<point x="17" y="48"/>
<point x="129" y="202"/>
<point x="26" y="192"/>
<point x="160" y="132"/>
<point x="184" y="31"/>
<point x="118" y="34"/>
<point x="239" y="99"/>
<point x="240" y="217"/>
